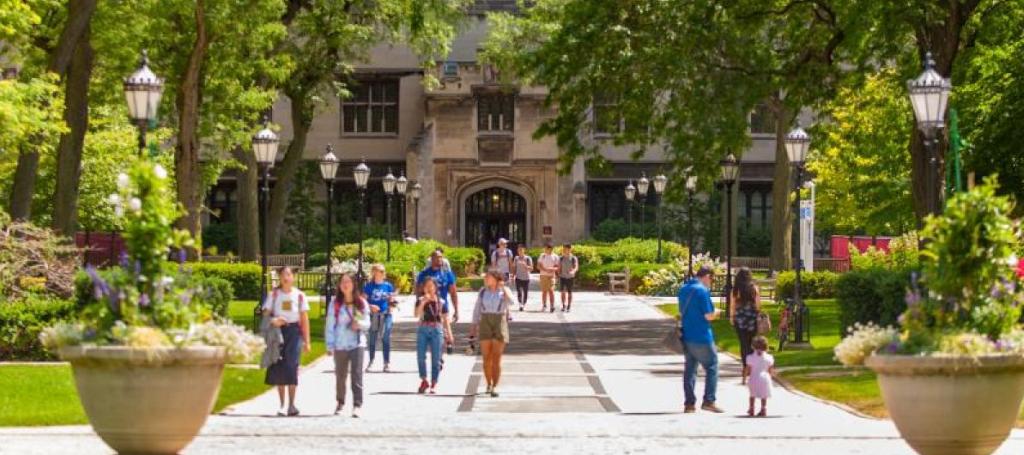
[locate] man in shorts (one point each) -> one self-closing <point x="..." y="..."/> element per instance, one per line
<point x="568" y="265"/>
<point x="547" y="265"/>
<point x="501" y="259"/>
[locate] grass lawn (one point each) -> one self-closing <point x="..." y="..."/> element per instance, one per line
<point x="824" y="334"/>
<point x="45" y="394"/>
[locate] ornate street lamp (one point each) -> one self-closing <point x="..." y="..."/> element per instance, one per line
<point x="361" y="174"/>
<point x="142" y="91"/>
<point x="389" y="188"/>
<point x="416" y="193"/>
<point x="641" y="187"/>
<point x="328" y="170"/>
<point x="264" y="147"/>
<point x="400" y="187"/>
<point x="630" y="195"/>
<point x="797" y="142"/>
<point x="659" y="188"/>
<point x="730" y="171"/>
<point x="929" y="96"/>
<point x="691" y="189"/>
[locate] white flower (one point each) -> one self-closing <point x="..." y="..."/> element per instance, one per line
<point x="160" y="172"/>
<point x="167" y="280"/>
<point x="135" y="204"/>
<point x="118" y="210"/>
<point x="114" y="199"/>
<point x="122" y="180"/>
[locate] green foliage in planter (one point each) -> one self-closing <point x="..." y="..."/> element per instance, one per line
<point x="875" y="295"/>
<point x="244" y="277"/>
<point x="813" y="285"/>
<point x="21" y="321"/>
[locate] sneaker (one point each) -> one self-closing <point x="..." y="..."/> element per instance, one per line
<point x="293" y="411"/>
<point x="711" y="407"/>
<point x="689" y="409"/>
<point x="552" y="307"/>
<point x="355" y="412"/>
<point x="763" y="412"/>
<point x="489" y="389"/>
<point x="750" y="412"/>
<point x="368" y="366"/>
<point x="433" y="387"/>
<point x="337" y="409"/>
<point x="522" y="307"/>
<point x="494" y="393"/>
<point x="423" y="386"/>
<point x="283" y="411"/>
<point x="387" y="368"/>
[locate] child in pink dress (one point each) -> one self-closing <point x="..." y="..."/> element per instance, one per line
<point x="760" y="365"/>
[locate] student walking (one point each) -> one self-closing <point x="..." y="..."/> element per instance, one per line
<point x="381" y="295"/>
<point x="287" y="309"/>
<point x="568" y="265"/>
<point x="522" y="266"/>
<point x="433" y="329"/>
<point x="759" y="365"/>
<point x="743" y="312"/>
<point x="501" y="258"/>
<point x="490" y="324"/>
<point x="547" y="264"/>
<point x="348" y="319"/>
<point x="696" y="313"/>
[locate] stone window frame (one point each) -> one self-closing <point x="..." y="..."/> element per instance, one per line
<point x="370" y="104"/>
<point x="597" y="105"/>
<point x="507" y="125"/>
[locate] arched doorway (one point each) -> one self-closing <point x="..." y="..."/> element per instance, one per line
<point x="494" y="213"/>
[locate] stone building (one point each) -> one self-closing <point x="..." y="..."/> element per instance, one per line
<point x="470" y="144"/>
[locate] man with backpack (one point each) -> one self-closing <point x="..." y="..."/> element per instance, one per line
<point x="568" y="265"/>
<point x="501" y="259"/>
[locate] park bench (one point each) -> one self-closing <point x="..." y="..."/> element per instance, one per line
<point x="618" y="280"/>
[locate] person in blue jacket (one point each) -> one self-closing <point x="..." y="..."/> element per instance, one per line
<point x="348" y="319"/>
<point x="381" y="295"/>
<point x="696" y="313"/>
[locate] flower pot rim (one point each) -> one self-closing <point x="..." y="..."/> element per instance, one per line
<point x="911" y="365"/>
<point x="150" y="356"/>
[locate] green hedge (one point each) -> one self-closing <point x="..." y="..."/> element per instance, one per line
<point x="871" y="295"/>
<point x="22" y="320"/>
<point x="813" y="285"/>
<point x="464" y="260"/>
<point x="621" y="251"/>
<point x="244" y="277"/>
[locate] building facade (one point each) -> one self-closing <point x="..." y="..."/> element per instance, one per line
<point x="469" y="143"/>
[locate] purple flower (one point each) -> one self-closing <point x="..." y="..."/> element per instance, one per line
<point x="144" y="300"/>
<point x="892" y="347"/>
<point x="185" y="298"/>
<point x="115" y="302"/>
<point x="124" y="260"/>
<point x="181" y="256"/>
<point x="100" y="287"/>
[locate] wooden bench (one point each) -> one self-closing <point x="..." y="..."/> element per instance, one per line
<point x="296" y="261"/>
<point x="618" y="280"/>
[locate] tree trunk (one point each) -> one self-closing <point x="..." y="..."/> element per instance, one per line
<point x="23" y="188"/>
<point x="247" y="216"/>
<point x="302" y="120"/>
<point x="186" y="154"/>
<point x="69" y="151"/>
<point x="782" y="213"/>
<point x="79" y="17"/>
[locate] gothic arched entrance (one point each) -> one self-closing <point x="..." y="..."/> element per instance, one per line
<point x="494" y="213"/>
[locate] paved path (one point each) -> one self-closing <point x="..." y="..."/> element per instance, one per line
<point x="596" y="380"/>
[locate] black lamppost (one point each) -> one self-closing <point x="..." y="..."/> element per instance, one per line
<point x="659" y="188"/>
<point x="389" y="188"/>
<point x="400" y="186"/>
<point x="361" y="174"/>
<point x="691" y="189"/>
<point x="797" y="142"/>
<point x="142" y="91"/>
<point x="929" y="95"/>
<point x="328" y="169"/>
<point x="630" y="195"/>
<point x="416" y="193"/>
<point x="641" y="187"/>
<point x="264" y="147"/>
<point x="730" y="170"/>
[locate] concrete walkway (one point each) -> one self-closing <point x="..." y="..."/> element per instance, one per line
<point x="596" y="380"/>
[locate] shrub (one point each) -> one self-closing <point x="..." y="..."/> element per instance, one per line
<point x="813" y="285"/>
<point x="868" y="296"/>
<point x="610" y="230"/>
<point x="316" y="260"/>
<point x="597" y="276"/>
<point x="212" y="290"/>
<point x="465" y="260"/>
<point x="33" y="259"/>
<point x="22" y="320"/>
<point x="244" y="277"/>
<point x="220" y="237"/>
<point x="215" y="292"/>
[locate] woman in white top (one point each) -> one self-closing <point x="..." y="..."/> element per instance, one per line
<point x="288" y="309"/>
<point x="490" y="322"/>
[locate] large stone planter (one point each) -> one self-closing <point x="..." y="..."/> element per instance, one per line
<point x="951" y="405"/>
<point x="146" y="401"/>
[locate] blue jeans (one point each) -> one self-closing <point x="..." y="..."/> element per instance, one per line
<point x="706" y="355"/>
<point x="429" y="337"/>
<point x="385" y="332"/>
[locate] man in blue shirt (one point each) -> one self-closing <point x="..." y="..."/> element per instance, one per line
<point x="696" y="313"/>
<point x="445" y="280"/>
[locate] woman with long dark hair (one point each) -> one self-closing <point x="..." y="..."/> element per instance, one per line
<point x="433" y="330"/>
<point x="286" y="308"/>
<point x="348" y="319"/>
<point x="746" y="305"/>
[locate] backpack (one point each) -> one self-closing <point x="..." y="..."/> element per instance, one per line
<point x="764" y="323"/>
